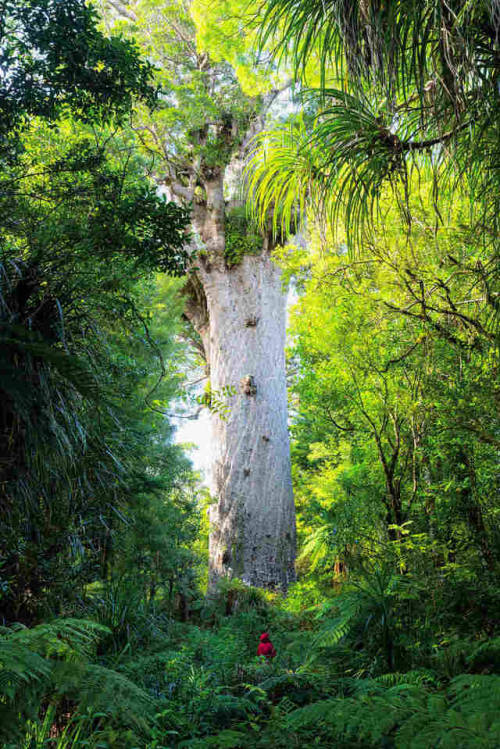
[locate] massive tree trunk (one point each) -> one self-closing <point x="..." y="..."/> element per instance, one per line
<point x="238" y="311"/>
<point x="240" y="314"/>
<point x="253" y="523"/>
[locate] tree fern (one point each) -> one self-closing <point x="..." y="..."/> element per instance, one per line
<point x="466" y="715"/>
<point x="20" y="667"/>
<point x="110" y="693"/>
<point x="364" y="610"/>
<point x="368" y="717"/>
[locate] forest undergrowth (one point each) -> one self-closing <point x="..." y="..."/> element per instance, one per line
<point x="370" y="661"/>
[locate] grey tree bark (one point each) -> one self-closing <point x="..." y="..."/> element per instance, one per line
<point x="240" y="314"/>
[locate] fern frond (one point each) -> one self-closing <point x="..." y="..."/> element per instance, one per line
<point x="467" y="716"/>
<point x="65" y="638"/>
<point x="311" y="715"/>
<point x="417" y="677"/>
<point x="349" y="607"/>
<point x="34" y="664"/>
<point x="18" y="667"/>
<point x="104" y="690"/>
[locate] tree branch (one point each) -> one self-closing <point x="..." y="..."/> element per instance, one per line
<point x="123" y="10"/>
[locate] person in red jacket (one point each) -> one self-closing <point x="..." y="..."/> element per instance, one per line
<point x="266" y="647"/>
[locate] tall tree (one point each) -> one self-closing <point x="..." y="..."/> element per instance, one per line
<point x="236" y="303"/>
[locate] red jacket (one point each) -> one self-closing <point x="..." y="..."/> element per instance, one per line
<point x="266" y="647"/>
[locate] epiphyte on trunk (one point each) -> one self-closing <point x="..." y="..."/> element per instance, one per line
<point x="248" y="386"/>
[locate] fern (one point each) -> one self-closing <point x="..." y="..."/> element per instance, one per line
<point x="32" y="665"/>
<point x="349" y="608"/>
<point x="367" y="717"/>
<point x="311" y="715"/>
<point x="417" y="677"/>
<point x="66" y="638"/>
<point x="51" y="661"/>
<point x="466" y="715"/>
<point x="19" y="667"/>
<point x="227" y="739"/>
<point x="482" y="655"/>
<point x="106" y="691"/>
<point x="465" y="655"/>
<point x="469" y="716"/>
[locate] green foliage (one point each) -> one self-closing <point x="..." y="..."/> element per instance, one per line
<point x="415" y="716"/>
<point x="390" y="636"/>
<point x="366" y="613"/>
<point x="394" y="418"/>
<point x="203" y="686"/>
<point x="217" y="401"/>
<point x="414" y="89"/>
<point x="227" y="32"/>
<point x="242" y="238"/>
<point x="32" y="663"/>
<point x="59" y="62"/>
<point x="202" y="115"/>
<point x="82" y="234"/>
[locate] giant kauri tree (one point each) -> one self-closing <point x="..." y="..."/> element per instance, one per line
<point x="235" y="301"/>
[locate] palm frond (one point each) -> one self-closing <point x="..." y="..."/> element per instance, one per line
<point x="418" y="92"/>
<point x="396" y="44"/>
